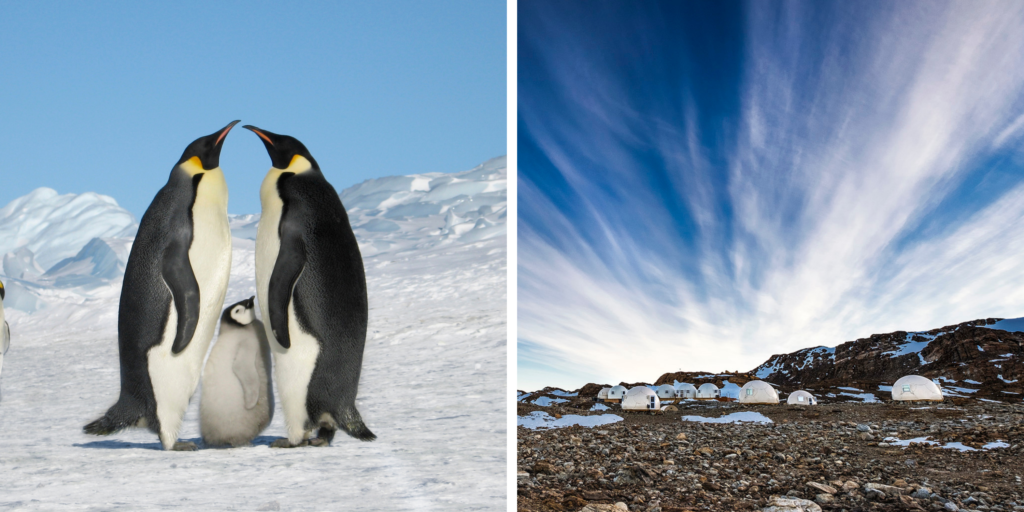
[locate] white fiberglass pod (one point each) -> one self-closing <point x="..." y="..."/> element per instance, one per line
<point x="687" y="391"/>
<point x="641" y="398"/>
<point x="616" y="393"/>
<point x="758" y="392"/>
<point x="666" y="392"/>
<point x="913" y="388"/>
<point x="801" y="398"/>
<point x="708" y="391"/>
<point x="603" y="394"/>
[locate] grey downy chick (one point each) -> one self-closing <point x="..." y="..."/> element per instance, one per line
<point x="237" y="399"/>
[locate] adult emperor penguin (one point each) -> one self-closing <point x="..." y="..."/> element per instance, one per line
<point x="237" y="402"/>
<point x="173" y="291"/>
<point x="312" y="293"/>
<point x="5" y="331"/>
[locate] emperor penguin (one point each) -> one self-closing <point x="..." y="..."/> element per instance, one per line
<point x="174" y="285"/>
<point x="237" y="401"/>
<point x="312" y="294"/>
<point x="5" y="331"/>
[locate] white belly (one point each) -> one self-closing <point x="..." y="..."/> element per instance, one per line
<point x="267" y="246"/>
<point x="293" y="367"/>
<point x="175" y="376"/>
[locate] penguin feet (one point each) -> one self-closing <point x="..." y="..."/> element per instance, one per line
<point x="185" y="446"/>
<point x="324" y="436"/>
<point x="283" y="442"/>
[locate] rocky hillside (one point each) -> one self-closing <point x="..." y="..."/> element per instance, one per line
<point x="698" y="378"/>
<point x="979" y="359"/>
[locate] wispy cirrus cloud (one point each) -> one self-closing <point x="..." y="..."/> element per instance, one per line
<point x="839" y="171"/>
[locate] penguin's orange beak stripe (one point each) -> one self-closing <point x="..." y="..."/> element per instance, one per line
<point x="264" y="137"/>
<point x="224" y="133"/>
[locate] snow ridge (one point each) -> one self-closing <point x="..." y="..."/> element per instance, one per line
<point x="55" y="226"/>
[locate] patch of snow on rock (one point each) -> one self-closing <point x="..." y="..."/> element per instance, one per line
<point x="1008" y="324"/>
<point x="559" y="392"/>
<point x="913" y="347"/>
<point x="545" y="401"/>
<point x="542" y="420"/>
<point x="736" y="417"/>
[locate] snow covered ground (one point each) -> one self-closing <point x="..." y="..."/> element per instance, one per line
<point x="542" y="420"/>
<point x="432" y="388"/>
<point x="736" y="417"/>
<point x="895" y="441"/>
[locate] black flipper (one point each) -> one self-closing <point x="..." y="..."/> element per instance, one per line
<point x="291" y="258"/>
<point x="177" y="273"/>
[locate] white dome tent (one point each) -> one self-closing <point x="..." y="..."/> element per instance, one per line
<point x="915" y="388"/>
<point x="616" y="393"/>
<point x="801" y="398"/>
<point x="603" y="394"/>
<point x="758" y="392"/>
<point x="686" y="391"/>
<point x="708" y="391"/>
<point x="667" y="392"/>
<point x="641" y="398"/>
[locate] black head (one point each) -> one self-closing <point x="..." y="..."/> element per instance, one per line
<point x="282" y="148"/>
<point x="207" y="148"/>
<point x="2" y="294"/>
<point x="240" y="313"/>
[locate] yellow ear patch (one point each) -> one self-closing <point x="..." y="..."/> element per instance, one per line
<point x="192" y="166"/>
<point x="299" y="165"/>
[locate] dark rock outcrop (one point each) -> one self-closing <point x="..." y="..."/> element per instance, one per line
<point x="982" y="358"/>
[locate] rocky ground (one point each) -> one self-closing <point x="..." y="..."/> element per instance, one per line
<point x="838" y="456"/>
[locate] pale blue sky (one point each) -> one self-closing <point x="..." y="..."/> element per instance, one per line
<point x="104" y="96"/>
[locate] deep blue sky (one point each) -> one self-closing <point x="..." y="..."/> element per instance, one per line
<point x="705" y="184"/>
<point x="104" y="96"/>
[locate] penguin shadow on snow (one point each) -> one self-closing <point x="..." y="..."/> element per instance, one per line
<point x="121" y="445"/>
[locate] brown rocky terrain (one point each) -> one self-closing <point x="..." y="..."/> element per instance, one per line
<point x="829" y="457"/>
<point x="992" y="359"/>
<point x="853" y="452"/>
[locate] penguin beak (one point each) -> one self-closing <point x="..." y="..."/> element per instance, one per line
<point x="211" y="158"/>
<point x="257" y="131"/>
<point x="224" y="131"/>
<point x="207" y="148"/>
<point x="279" y="157"/>
<point x="250" y="303"/>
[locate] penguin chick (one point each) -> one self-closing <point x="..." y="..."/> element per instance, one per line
<point x="237" y="400"/>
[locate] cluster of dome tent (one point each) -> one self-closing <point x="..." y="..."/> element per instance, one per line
<point x="911" y="388"/>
